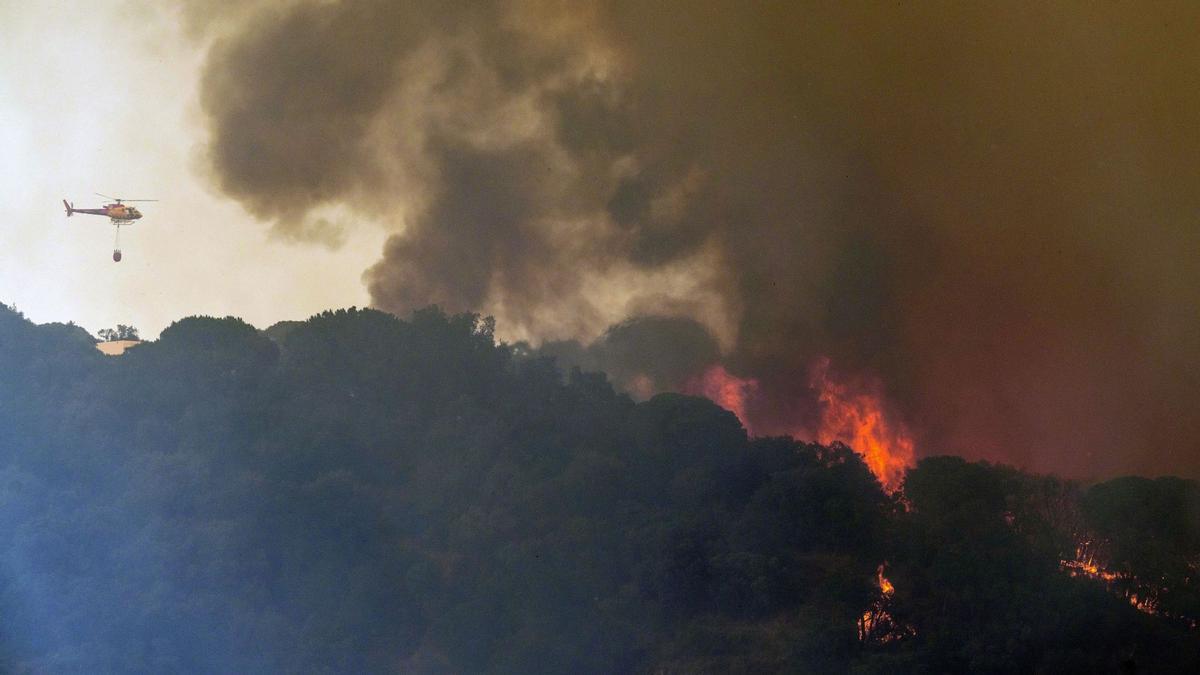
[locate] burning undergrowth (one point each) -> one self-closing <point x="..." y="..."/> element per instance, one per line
<point x="1140" y="539"/>
<point x="1142" y="595"/>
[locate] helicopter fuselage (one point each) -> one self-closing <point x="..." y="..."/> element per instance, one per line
<point x="120" y="212"/>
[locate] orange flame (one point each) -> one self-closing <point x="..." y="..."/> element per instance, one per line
<point x="1143" y="596"/>
<point x="1085" y="564"/>
<point x="885" y="586"/>
<point x="855" y="416"/>
<point x="851" y="415"/>
<point x="726" y="390"/>
<point x="878" y="625"/>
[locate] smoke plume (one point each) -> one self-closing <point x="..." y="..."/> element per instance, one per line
<point x="989" y="208"/>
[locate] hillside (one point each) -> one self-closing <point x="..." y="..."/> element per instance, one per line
<point x="361" y="493"/>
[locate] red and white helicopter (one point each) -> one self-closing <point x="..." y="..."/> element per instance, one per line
<point x="118" y="212"/>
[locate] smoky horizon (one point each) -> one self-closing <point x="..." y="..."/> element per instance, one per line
<point x="989" y="211"/>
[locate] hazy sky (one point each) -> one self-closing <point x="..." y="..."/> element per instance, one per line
<point x="991" y="208"/>
<point x="102" y="97"/>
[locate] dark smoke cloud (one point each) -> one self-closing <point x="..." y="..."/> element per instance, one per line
<point x="643" y="355"/>
<point x="991" y="207"/>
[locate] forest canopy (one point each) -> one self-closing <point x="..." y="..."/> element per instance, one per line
<point x="363" y="493"/>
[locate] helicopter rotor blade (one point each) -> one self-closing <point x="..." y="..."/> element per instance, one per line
<point x="121" y="200"/>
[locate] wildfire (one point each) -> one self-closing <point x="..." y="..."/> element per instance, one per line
<point x="726" y="390"/>
<point x="876" y="624"/>
<point x="850" y="414"/>
<point x="856" y="416"/>
<point x="1085" y="565"/>
<point x="1143" y="604"/>
<point x="1143" y="597"/>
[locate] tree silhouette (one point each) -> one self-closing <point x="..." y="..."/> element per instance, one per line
<point x="363" y="493"/>
<point x="121" y="332"/>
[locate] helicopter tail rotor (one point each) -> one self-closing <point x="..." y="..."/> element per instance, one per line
<point x="70" y="209"/>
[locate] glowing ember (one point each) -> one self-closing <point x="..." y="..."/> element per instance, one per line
<point x="855" y="416"/>
<point x="1142" y="596"/>
<point x="726" y="390"/>
<point x="1143" y="604"/>
<point x="1085" y="565"/>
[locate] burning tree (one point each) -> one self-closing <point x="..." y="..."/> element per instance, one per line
<point x="854" y="414"/>
<point x="877" y="625"/>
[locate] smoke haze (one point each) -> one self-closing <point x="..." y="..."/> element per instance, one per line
<point x="990" y="208"/>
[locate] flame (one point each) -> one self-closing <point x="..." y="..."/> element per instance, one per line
<point x="885" y="586"/>
<point x="878" y="625"/>
<point x="1142" y="596"/>
<point x="856" y="416"/>
<point x="1085" y="565"/>
<point x="1146" y="605"/>
<point x="725" y="389"/>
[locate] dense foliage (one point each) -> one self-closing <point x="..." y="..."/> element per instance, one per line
<point x="361" y="493"/>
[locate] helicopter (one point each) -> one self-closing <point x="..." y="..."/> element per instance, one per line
<point x="118" y="213"/>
